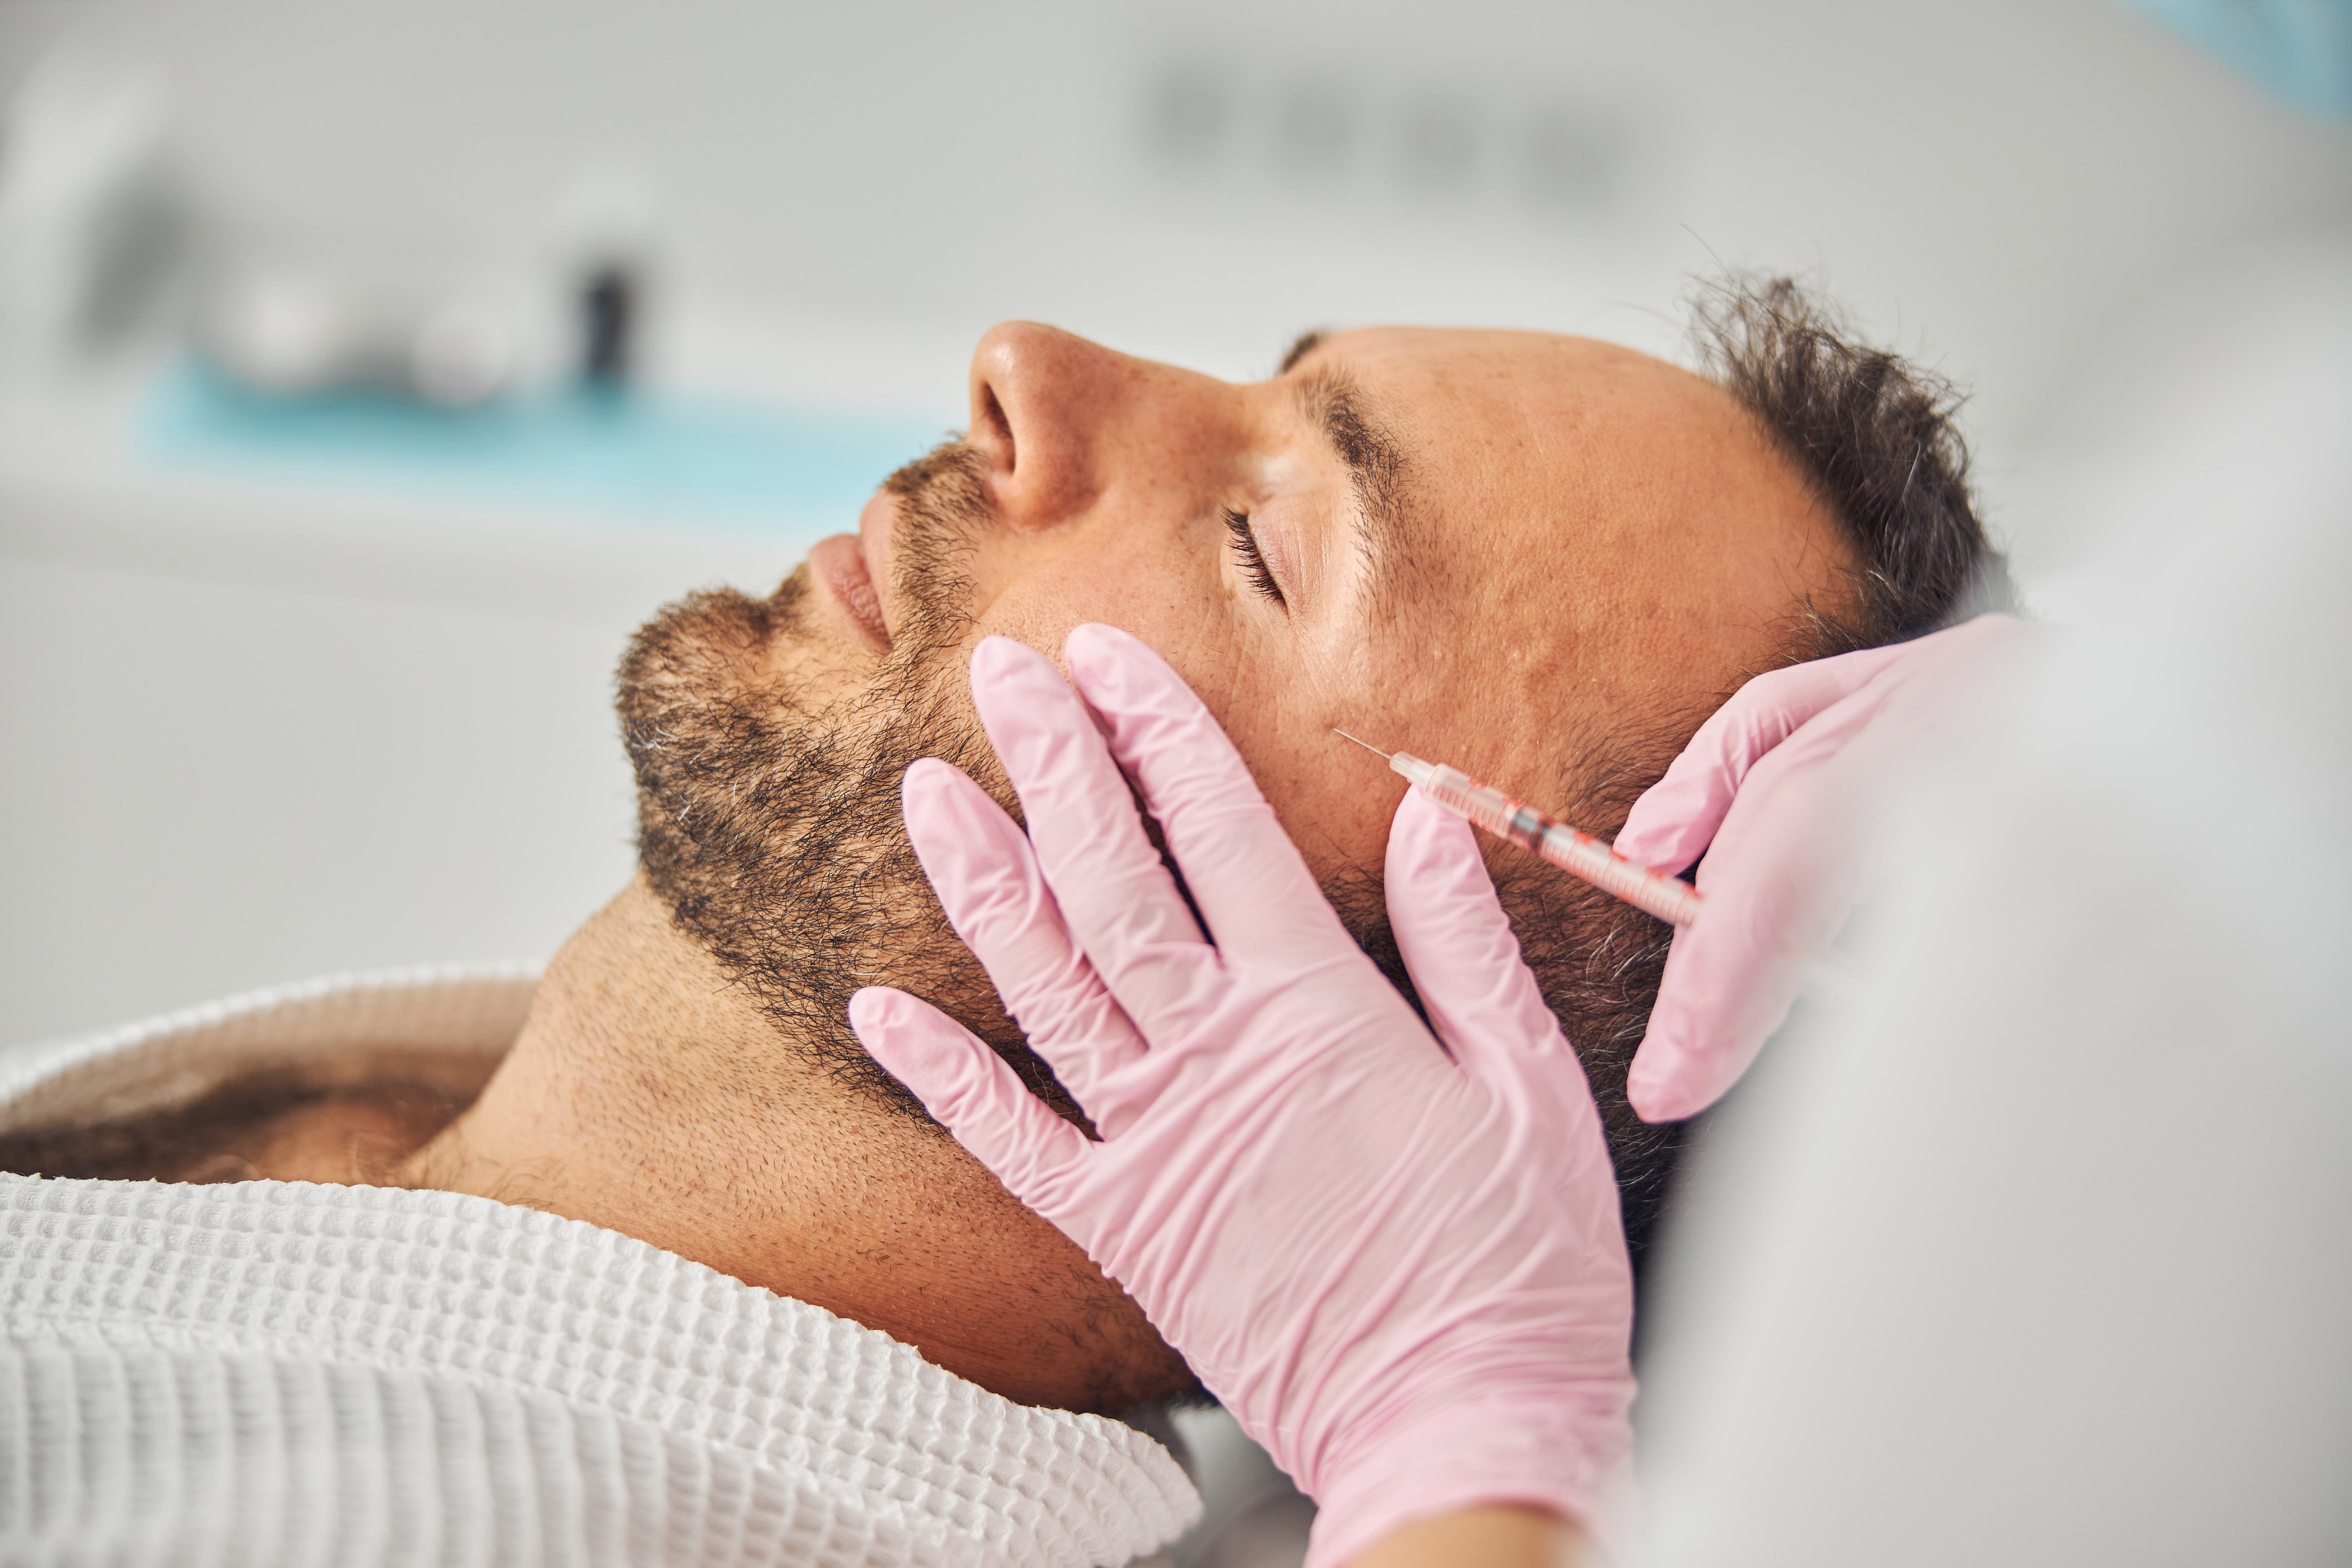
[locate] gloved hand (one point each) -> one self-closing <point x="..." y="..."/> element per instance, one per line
<point x="1775" y="790"/>
<point x="1399" y="1263"/>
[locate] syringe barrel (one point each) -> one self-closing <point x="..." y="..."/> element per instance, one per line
<point x="1576" y="853"/>
<point x="1672" y="900"/>
<point x="1488" y="807"/>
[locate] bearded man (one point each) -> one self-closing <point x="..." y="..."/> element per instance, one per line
<point x="1546" y="559"/>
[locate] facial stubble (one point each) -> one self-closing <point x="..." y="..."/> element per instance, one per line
<point x="768" y="824"/>
<point x="770" y="828"/>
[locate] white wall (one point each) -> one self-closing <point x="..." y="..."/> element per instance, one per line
<point x="1985" y="181"/>
<point x="238" y="753"/>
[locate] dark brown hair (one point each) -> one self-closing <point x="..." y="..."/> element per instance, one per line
<point x="1874" y="437"/>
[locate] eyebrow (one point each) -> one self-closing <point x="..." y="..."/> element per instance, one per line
<point x="1334" y="405"/>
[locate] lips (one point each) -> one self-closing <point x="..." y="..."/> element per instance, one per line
<point x="839" y="564"/>
<point x="875" y="526"/>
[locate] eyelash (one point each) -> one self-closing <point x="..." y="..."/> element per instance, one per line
<point x="1245" y="551"/>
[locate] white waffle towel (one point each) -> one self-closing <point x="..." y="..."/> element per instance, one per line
<point x="271" y="1373"/>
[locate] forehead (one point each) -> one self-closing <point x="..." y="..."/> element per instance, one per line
<point x="1521" y="399"/>
<point x="1585" y="515"/>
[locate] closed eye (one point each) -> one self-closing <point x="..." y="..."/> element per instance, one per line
<point x="1253" y="560"/>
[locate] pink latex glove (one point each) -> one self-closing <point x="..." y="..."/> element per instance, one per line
<point x="1404" y="1273"/>
<point x="1775" y="790"/>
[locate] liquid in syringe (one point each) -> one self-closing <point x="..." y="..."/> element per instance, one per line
<point x="1577" y="853"/>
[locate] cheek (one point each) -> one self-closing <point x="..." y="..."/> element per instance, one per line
<point x="1037" y="591"/>
<point x="1334" y="798"/>
<point x="1335" y="808"/>
<point x="1276" y="699"/>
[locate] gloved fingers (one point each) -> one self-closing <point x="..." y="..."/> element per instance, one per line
<point x="1792" y="855"/>
<point x="1676" y="818"/>
<point x="1117" y="900"/>
<point x="1687" y="1060"/>
<point x="1246" y="876"/>
<point x="1722" y="997"/>
<point x="1779" y="883"/>
<point x="980" y="866"/>
<point x="1459" y="948"/>
<point x="973" y="1093"/>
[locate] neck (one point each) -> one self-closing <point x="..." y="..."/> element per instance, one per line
<point x="649" y="1095"/>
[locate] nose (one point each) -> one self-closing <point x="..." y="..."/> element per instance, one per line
<point x="1046" y="404"/>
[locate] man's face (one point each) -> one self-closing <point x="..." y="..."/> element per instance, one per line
<point x="1504" y="550"/>
<point x="1482" y="544"/>
<point x="1493" y="547"/>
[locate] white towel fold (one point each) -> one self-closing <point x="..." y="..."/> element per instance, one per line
<point x="282" y="1372"/>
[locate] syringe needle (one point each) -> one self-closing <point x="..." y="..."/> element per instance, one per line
<point x="1366" y="744"/>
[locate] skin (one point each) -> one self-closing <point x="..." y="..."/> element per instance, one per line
<point x="1582" y="533"/>
<point x="1579" y="532"/>
<point x="1594" y="532"/>
<point x="1490" y="1537"/>
<point x="621" y="1104"/>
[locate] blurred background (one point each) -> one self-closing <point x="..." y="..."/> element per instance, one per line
<point x="369" y="371"/>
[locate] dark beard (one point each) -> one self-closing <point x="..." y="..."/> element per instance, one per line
<point x="770" y="828"/>
<point x="1598" y="963"/>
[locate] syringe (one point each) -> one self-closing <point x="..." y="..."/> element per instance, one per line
<point x="1579" y="854"/>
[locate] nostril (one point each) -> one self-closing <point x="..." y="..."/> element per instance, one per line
<point x="991" y="414"/>
<point x="1041" y="403"/>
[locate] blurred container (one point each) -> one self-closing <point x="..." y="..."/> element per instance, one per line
<point x="289" y="328"/>
<point x="88" y="227"/>
<point x="285" y="326"/>
<point x="606" y="227"/>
